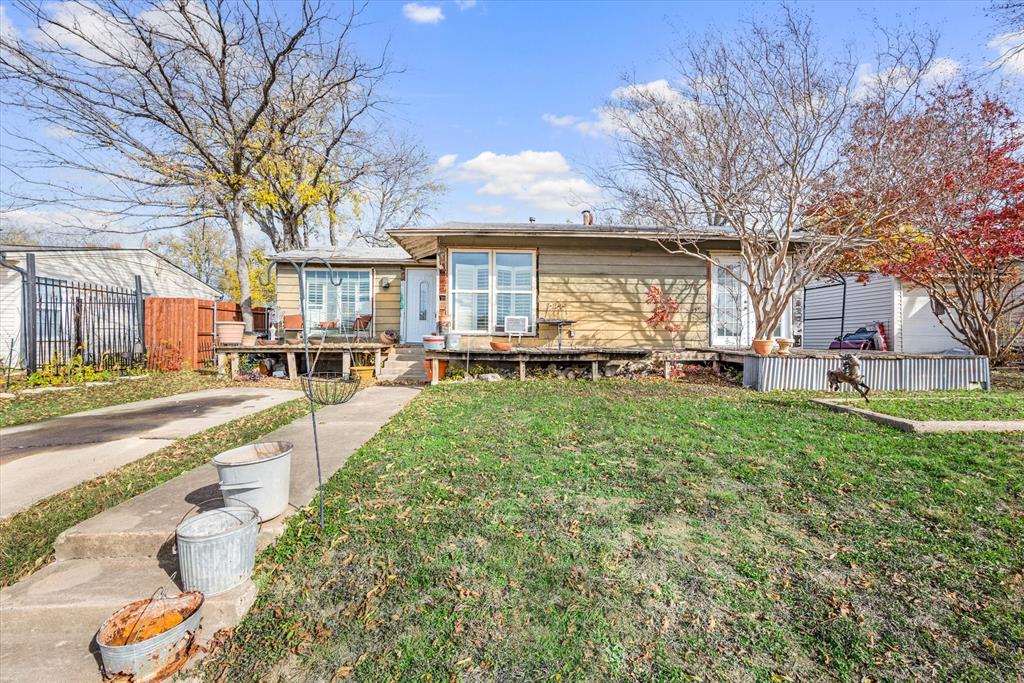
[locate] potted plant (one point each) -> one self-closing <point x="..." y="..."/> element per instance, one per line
<point x="763" y="347"/>
<point x="442" y="369"/>
<point x="363" y="367"/>
<point x="229" y="332"/>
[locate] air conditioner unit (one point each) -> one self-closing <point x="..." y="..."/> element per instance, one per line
<point x="517" y="324"/>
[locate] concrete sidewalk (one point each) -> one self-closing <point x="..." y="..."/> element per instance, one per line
<point x="43" y="458"/>
<point x="48" y="621"/>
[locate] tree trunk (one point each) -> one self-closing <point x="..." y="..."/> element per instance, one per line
<point x="332" y="228"/>
<point x="235" y="214"/>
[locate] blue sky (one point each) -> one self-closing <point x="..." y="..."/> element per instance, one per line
<point x="505" y="94"/>
<point x="507" y="78"/>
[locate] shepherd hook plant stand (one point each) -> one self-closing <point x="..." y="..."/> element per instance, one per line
<point x="324" y="388"/>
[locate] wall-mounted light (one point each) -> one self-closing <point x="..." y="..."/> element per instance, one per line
<point x="385" y="283"/>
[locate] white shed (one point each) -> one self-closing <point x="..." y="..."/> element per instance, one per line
<point x="105" y="266"/>
<point x="906" y="312"/>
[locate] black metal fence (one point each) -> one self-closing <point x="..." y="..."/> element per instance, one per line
<point x="69" y="321"/>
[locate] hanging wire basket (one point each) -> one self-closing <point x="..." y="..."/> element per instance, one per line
<point x="330" y="388"/>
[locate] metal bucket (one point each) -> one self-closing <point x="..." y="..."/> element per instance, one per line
<point x="217" y="548"/>
<point x="136" y="641"/>
<point x="258" y="474"/>
<point x="453" y="341"/>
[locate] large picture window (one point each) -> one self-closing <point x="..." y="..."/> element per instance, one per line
<point x="341" y="302"/>
<point x="489" y="285"/>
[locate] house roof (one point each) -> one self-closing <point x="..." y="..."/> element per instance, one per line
<point x="421" y="241"/>
<point x="351" y="254"/>
<point x="31" y="248"/>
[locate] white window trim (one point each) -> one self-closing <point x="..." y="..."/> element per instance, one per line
<point x="373" y="291"/>
<point x="491" y="292"/>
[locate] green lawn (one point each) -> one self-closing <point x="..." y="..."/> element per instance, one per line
<point x="26" y="538"/>
<point x="32" y="407"/>
<point x="555" y="530"/>
<point x="952" y="405"/>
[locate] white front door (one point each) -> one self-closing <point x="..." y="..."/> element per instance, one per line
<point x="420" y="314"/>
<point x="731" y="321"/>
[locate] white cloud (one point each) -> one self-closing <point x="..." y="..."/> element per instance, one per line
<point x="658" y="90"/>
<point x="1010" y="47"/>
<point x="560" y="121"/>
<point x="940" y="71"/>
<point x="465" y="4"/>
<point x="422" y="14"/>
<point x="7" y="30"/>
<point x="607" y="122"/>
<point x="543" y="180"/>
<point x="608" y="119"/>
<point x="445" y="161"/>
<point x="59" y="132"/>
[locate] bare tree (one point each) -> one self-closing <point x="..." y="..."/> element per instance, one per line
<point x="171" y="106"/>
<point x="1009" y="16"/>
<point x="400" y="190"/>
<point x="748" y="138"/>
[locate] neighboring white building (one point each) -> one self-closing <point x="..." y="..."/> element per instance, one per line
<point x="906" y="312"/>
<point x="105" y="266"/>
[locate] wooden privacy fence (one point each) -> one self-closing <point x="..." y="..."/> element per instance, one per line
<point x="180" y="331"/>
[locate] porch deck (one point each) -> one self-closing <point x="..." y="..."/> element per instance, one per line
<point x="522" y="355"/>
<point x="227" y="356"/>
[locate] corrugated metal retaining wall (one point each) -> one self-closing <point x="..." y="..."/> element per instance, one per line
<point x="914" y="373"/>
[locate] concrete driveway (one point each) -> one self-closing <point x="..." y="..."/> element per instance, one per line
<point x="43" y="458"/>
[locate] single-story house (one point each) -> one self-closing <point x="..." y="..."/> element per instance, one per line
<point x="100" y="266"/>
<point x="837" y="306"/>
<point x="469" y="277"/>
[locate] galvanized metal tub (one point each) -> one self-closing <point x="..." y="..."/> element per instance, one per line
<point x="453" y="341"/>
<point x="142" y="641"/>
<point x="217" y="548"/>
<point x="258" y="475"/>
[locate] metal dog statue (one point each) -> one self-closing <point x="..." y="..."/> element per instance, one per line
<point x="849" y="373"/>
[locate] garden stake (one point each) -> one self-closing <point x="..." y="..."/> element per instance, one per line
<point x="300" y="268"/>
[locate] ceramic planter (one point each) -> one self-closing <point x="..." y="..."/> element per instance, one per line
<point x="365" y="373"/>
<point x="433" y="342"/>
<point x="442" y="369"/>
<point x="248" y="339"/>
<point x="784" y="346"/>
<point x="500" y="346"/>
<point x="229" y="332"/>
<point x="762" y="347"/>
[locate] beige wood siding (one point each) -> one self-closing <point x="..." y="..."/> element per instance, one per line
<point x="386" y="302"/>
<point x="604" y="287"/>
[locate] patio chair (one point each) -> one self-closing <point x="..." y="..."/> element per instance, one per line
<point x="361" y="327"/>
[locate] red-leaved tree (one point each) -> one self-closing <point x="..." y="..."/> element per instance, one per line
<point x="958" y="171"/>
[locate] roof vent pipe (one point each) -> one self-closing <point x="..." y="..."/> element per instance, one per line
<point x="588" y="217"/>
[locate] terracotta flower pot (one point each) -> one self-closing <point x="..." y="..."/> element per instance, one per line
<point x="501" y="346"/>
<point x="248" y="339"/>
<point x="388" y="337"/>
<point x="229" y="332"/>
<point x="762" y="347"/>
<point x="442" y="369"/>
<point x="784" y="346"/>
